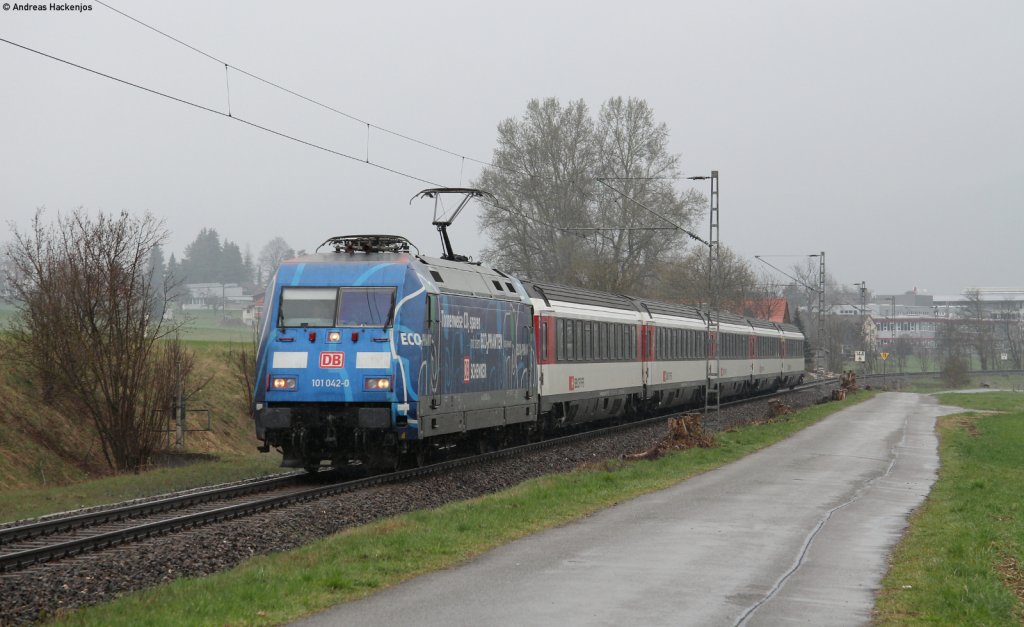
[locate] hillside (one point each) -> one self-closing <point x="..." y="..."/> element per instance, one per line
<point x="39" y="447"/>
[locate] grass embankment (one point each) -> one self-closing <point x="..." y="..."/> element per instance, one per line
<point x="20" y="504"/>
<point x="352" y="564"/>
<point x="962" y="561"/>
<point x="52" y="462"/>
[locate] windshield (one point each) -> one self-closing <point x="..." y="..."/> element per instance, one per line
<point x="366" y="306"/>
<point x="307" y="306"/>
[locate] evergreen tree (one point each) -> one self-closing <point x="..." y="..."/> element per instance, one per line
<point x="202" y="261"/>
<point x="173" y="268"/>
<point x="232" y="266"/>
<point x="249" y="265"/>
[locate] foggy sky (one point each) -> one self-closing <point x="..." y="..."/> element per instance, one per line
<point x="888" y="134"/>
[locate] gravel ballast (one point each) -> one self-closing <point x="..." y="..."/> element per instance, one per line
<point x="28" y="595"/>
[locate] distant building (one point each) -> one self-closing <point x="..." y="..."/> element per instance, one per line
<point x="771" y="309"/>
<point x="254" y="311"/>
<point x="918" y="317"/>
<point x="226" y="296"/>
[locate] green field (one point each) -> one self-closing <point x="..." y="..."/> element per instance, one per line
<point x="930" y="385"/>
<point x="277" y="588"/>
<point x="205" y="325"/>
<point x="962" y="561"/>
<point x="200" y="325"/>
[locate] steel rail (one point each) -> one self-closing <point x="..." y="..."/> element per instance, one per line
<point x="64" y="524"/>
<point x="36" y="555"/>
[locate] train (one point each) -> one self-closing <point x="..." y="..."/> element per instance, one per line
<point x="373" y="355"/>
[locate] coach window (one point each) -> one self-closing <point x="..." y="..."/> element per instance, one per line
<point x="544" y="340"/>
<point x="307" y="307"/>
<point x="577" y="339"/>
<point x="570" y="340"/>
<point x="560" y="340"/>
<point x="588" y="340"/>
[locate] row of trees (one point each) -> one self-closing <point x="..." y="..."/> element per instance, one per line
<point x="591" y="200"/>
<point x="209" y="260"/>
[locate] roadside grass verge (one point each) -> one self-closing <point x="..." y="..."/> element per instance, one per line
<point x="931" y="385"/>
<point x="19" y="504"/>
<point x="355" y="563"/>
<point x="962" y="560"/>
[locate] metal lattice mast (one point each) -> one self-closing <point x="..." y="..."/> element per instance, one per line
<point x="712" y="395"/>
<point x="821" y="308"/>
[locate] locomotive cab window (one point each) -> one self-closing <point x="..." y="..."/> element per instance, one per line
<point x="366" y="306"/>
<point x="307" y="307"/>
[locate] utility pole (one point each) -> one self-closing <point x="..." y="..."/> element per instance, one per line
<point x="863" y="321"/>
<point x="712" y="395"/>
<point x="821" y="306"/>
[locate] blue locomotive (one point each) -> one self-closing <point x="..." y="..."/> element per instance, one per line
<point x="370" y="354"/>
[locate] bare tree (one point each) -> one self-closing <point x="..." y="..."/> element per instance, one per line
<point x="1011" y="331"/>
<point x="242" y="364"/>
<point x="89" y="327"/>
<point x="902" y="349"/>
<point x="952" y="339"/>
<point x="557" y="173"/>
<point x="981" y="327"/>
<point x="685" y="280"/>
<point x="271" y="255"/>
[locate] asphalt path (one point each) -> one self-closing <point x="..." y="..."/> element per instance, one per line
<point x="798" y="533"/>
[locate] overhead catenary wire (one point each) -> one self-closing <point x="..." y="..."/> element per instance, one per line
<point x="369" y="125"/>
<point x="276" y="85"/>
<point x="790" y="276"/>
<point x="351" y="116"/>
<point x="326" y="149"/>
<point x="190" y="103"/>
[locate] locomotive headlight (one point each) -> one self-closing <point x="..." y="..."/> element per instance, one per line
<point x="377" y="384"/>
<point x="282" y="383"/>
<point x="333" y="337"/>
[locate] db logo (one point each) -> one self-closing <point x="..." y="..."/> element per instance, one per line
<point x="465" y="369"/>
<point x="332" y="360"/>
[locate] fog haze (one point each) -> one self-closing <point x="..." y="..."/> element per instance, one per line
<point x="887" y="134"/>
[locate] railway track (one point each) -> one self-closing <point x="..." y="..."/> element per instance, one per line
<point x="59" y="537"/>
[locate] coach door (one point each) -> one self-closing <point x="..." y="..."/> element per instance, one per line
<point x="547" y="351"/>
